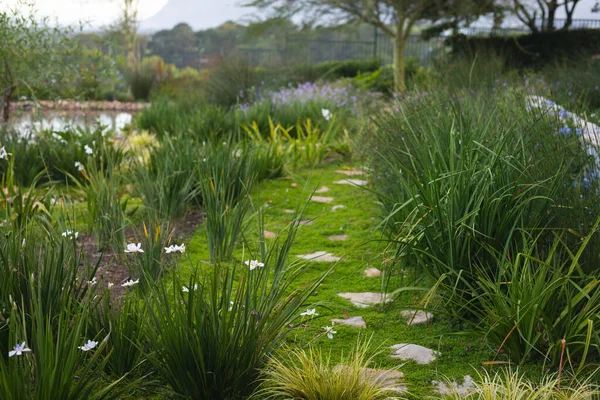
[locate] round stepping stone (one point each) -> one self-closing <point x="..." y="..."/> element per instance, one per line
<point x="355" y="322"/>
<point x="338" y="207"/>
<point x="269" y="235"/>
<point x="351" y="172"/>
<point x="454" y="388"/>
<point x="324" y="189"/>
<point x="321" y="199"/>
<point x="390" y="380"/>
<point x="372" y="273"/>
<point x="294" y="185"/>
<point x="320" y="256"/>
<point x="364" y="300"/>
<point x="419" y="354"/>
<point x="289" y="211"/>
<point x="417" y="317"/>
<point x="353" y="182"/>
<point x="307" y="222"/>
<point x="338" y="238"/>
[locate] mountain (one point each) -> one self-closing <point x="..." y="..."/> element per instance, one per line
<point x="199" y="14"/>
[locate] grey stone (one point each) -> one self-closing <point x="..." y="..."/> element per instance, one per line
<point x="419" y="354"/>
<point x="364" y="300"/>
<point x="320" y="256"/>
<point x="337" y="238"/>
<point x="270" y="235"/>
<point x="417" y="317"/>
<point x="372" y="272"/>
<point x="355" y="322"/>
<point x="338" y="207"/>
<point x="390" y="380"/>
<point x="289" y="211"/>
<point x="321" y="199"/>
<point x="454" y="388"/>
<point x="353" y="182"/>
<point x="351" y="172"/>
<point x="306" y="222"/>
<point x="323" y="189"/>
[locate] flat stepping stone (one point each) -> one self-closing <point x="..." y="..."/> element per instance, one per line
<point x="269" y="235"/>
<point x="453" y="388"/>
<point x="351" y="172"/>
<point x="353" y="182"/>
<point x="320" y="256"/>
<point x="307" y="222"/>
<point x="338" y="238"/>
<point x="321" y="199"/>
<point x="355" y="322"/>
<point x="364" y="300"/>
<point x="419" y="354"/>
<point x="372" y="273"/>
<point x="417" y="317"/>
<point x="289" y="211"/>
<point x="338" y="207"/>
<point x="390" y="380"/>
<point x="324" y="189"/>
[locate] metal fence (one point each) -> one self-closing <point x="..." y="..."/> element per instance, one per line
<point x="305" y="50"/>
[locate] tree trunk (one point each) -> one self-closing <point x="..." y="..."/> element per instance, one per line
<point x="6" y="96"/>
<point x="399" y="67"/>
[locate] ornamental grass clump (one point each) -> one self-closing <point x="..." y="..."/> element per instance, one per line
<point x="212" y="333"/>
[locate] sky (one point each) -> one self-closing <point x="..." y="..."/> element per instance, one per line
<point x="162" y="14"/>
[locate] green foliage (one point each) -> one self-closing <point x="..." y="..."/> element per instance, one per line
<point x="211" y="340"/>
<point x="310" y="375"/>
<point x="382" y="79"/>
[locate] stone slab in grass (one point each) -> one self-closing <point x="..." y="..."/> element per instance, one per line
<point x="353" y="182"/>
<point x="321" y="199"/>
<point x="390" y="380"/>
<point x="337" y="238"/>
<point x="372" y="273"/>
<point x="270" y="235"/>
<point x="338" y="207"/>
<point x="454" y="388"/>
<point x="364" y="300"/>
<point x="415" y="317"/>
<point x="320" y="256"/>
<point x="307" y="222"/>
<point x="355" y="322"/>
<point x="289" y="211"/>
<point x="323" y="189"/>
<point x="350" y="172"/>
<point x="414" y="352"/>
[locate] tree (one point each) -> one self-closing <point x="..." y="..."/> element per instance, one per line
<point x="396" y="18"/>
<point x="540" y="15"/>
<point x="33" y="55"/>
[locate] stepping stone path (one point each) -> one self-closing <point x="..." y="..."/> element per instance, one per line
<point x="269" y="235"/>
<point x="337" y="238"/>
<point x="355" y="322"/>
<point x="289" y="211"/>
<point x="372" y="272"/>
<point x="453" y="388"/>
<point x="390" y="380"/>
<point x="339" y="207"/>
<point x="351" y="172"/>
<point x="307" y="222"/>
<point x="417" y="317"/>
<point x="419" y="354"/>
<point x="320" y="199"/>
<point x="324" y="189"/>
<point x="320" y="256"/>
<point x="364" y="300"/>
<point x="353" y="182"/>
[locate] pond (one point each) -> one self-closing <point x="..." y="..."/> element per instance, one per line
<point x="24" y="123"/>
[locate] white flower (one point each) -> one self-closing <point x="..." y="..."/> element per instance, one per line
<point x="70" y="234"/>
<point x="329" y="331"/>
<point x="79" y="166"/>
<point x="174" y="248"/>
<point x="88" y="149"/>
<point x="186" y="289"/>
<point x="3" y="153"/>
<point x="253" y="264"/>
<point x="110" y="284"/>
<point x="132" y="248"/>
<point x="130" y="282"/>
<point x="310" y="312"/>
<point x="326" y="114"/>
<point x="93" y="281"/>
<point x="88" y="346"/>
<point x="18" y="350"/>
